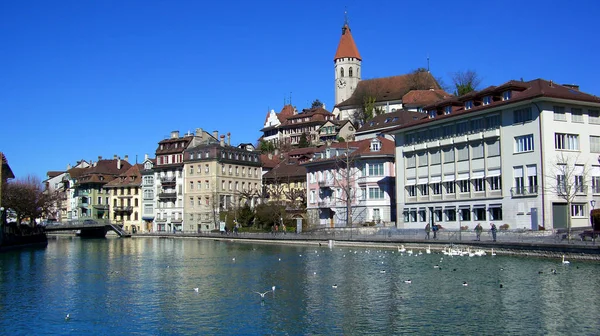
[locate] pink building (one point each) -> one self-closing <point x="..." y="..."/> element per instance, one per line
<point x="352" y="183"/>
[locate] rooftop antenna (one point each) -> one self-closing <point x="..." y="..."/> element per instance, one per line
<point x="427" y="62"/>
<point x="346" y="16"/>
<point x="290" y="97"/>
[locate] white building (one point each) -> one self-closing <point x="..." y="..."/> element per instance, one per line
<point x="496" y="156"/>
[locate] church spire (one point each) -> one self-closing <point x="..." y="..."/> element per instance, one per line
<point x="346" y="47"/>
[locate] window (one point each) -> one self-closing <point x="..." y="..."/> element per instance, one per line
<point x="448" y="155"/>
<point x="495" y="183"/>
<point x="199" y="185"/>
<point x="435" y="157"/>
<point x="191" y="185"/>
<point x="576" y="115"/>
<point x="450" y="187"/>
<point x="464" y="186"/>
<point x="350" y="72"/>
<point x="312" y="196"/>
<point x="476" y="125"/>
<point x="148" y="194"/>
<point x="524" y="143"/>
<point x="468" y="104"/>
<point x="436" y="188"/>
<point x="413" y="215"/>
<point x="594" y="144"/>
<point x="148" y="179"/>
<point x="376" y="193"/>
<point x="206" y="169"/>
<point x="506" y="95"/>
<point x="422" y="159"/>
<point x="519" y="181"/>
<point x="148" y="208"/>
<point x="462" y="128"/>
<point x="523" y="115"/>
<point x="376" y="169"/>
<point x="406" y="214"/>
<point x="532" y="179"/>
<point x="477" y="150"/>
<point x="495" y="213"/>
<point x="437" y="215"/>
<point x="450" y="215"/>
<point x="566" y="141"/>
<point x="594" y="116"/>
<point x="447" y="109"/>
<point x="479" y="213"/>
<point x="432" y="114"/>
<point x="411" y="191"/>
<point x="478" y="184"/>
<point x="207" y="186"/>
<point x="493" y="148"/>
<point x="192" y="202"/>
<point x="410" y="161"/>
<point x="559" y="113"/>
<point x="191" y="170"/>
<point x="465" y="214"/>
<point x="561" y="184"/>
<point x="463" y="153"/>
<point x="422" y="215"/>
<point x="487" y="100"/>
<point x="423" y="189"/>
<point x="578" y="172"/>
<point x="577" y="210"/>
<point x="341" y="72"/>
<point x="596" y="184"/>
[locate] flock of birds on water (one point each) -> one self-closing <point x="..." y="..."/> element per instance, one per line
<point x="447" y="251"/>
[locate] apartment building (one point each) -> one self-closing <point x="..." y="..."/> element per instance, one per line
<point x="507" y="154"/>
<point x="355" y="178"/>
<point x="125" y="199"/>
<point x="218" y="177"/>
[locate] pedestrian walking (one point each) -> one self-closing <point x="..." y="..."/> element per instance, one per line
<point x="434" y="228"/>
<point x="493" y="229"/>
<point x="478" y="230"/>
<point x="283" y="228"/>
<point x="427" y="231"/>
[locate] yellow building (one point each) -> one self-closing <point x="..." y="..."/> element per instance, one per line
<point x="126" y="199"/>
<point x="286" y="184"/>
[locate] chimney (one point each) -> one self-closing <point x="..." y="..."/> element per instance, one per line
<point x="119" y="163"/>
<point x="222" y="141"/>
<point x="270" y="156"/>
<point x="68" y="166"/>
<point x="551" y="84"/>
<point x="99" y="157"/>
<point x="216" y="135"/>
<point x="228" y="139"/>
<point x="174" y="134"/>
<point x="115" y="157"/>
<point x="145" y="157"/>
<point x="276" y="151"/>
<point x="574" y="87"/>
<point x="127" y="158"/>
<point x="199" y="132"/>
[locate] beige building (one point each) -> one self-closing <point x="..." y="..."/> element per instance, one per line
<point x="125" y="199"/>
<point x="218" y="177"/>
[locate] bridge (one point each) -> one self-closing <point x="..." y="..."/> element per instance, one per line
<point x="89" y="228"/>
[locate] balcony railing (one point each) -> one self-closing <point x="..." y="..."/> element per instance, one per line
<point x="101" y="206"/>
<point x="326" y="203"/>
<point x="167" y="195"/>
<point x="524" y="191"/>
<point x="123" y="208"/>
<point x="327" y="183"/>
<point x="167" y="180"/>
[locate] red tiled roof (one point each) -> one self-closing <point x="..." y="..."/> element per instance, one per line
<point x="169" y="145"/>
<point x="52" y="174"/>
<point x="286" y="112"/>
<point x="392" y="119"/>
<point x="390" y="88"/>
<point x="522" y="91"/>
<point x="424" y="97"/>
<point x="346" y="47"/>
<point x="102" y="171"/>
<point x="269" y="162"/>
<point x="361" y="148"/>
<point x="286" y="169"/>
<point x="125" y="179"/>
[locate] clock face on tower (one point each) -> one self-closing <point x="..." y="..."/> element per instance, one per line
<point x="341" y="83"/>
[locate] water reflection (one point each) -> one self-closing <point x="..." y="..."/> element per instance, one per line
<point x="146" y="286"/>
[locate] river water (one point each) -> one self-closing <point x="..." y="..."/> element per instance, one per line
<point x="145" y="286"/>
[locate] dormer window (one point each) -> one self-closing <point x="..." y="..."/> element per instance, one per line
<point x="447" y="109"/>
<point x="375" y="145"/>
<point x="506" y="95"/>
<point x="468" y="105"/>
<point x="487" y="100"/>
<point x="372" y="123"/>
<point x="388" y="120"/>
<point x="432" y="114"/>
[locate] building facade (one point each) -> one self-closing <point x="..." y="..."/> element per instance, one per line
<point x="508" y="154"/>
<point x="218" y="177"/>
<point x="125" y="199"/>
<point x="355" y="178"/>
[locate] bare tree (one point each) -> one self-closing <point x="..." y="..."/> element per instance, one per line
<point x="465" y="82"/>
<point x="296" y="196"/>
<point x="26" y="197"/>
<point x="344" y="178"/>
<point x="568" y="181"/>
<point x="420" y="79"/>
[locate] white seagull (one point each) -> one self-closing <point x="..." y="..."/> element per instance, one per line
<point x="408" y="281"/>
<point x="465" y="284"/>
<point x="262" y="295"/>
<point x="334" y="286"/>
<point x="196" y="289"/>
<point x="67" y="317"/>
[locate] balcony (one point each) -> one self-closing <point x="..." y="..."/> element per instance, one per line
<point x="101" y="206"/>
<point x="524" y="191"/>
<point x="124" y="209"/>
<point x="326" y="203"/>
<point x="326" y="183"/>
<point x="167" y="180"/>
<point x="166" y="195"/>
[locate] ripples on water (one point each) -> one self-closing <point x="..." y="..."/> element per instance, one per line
<point x="144" y="286"/>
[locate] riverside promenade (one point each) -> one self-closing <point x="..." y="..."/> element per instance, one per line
<point x="516" y="242"/>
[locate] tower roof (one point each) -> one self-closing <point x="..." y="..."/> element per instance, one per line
<point x="347" y="47"/>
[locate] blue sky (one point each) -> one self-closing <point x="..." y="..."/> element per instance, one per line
<point x="79" y="79"/>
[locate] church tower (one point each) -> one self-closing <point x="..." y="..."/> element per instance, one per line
<point x="347" y="65"/>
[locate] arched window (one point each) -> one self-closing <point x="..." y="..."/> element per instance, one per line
<point x="135" y="216"/>
<point x="341" y="72"/>
<point x="358" y="72"/>
<point x="350" y="72"/>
